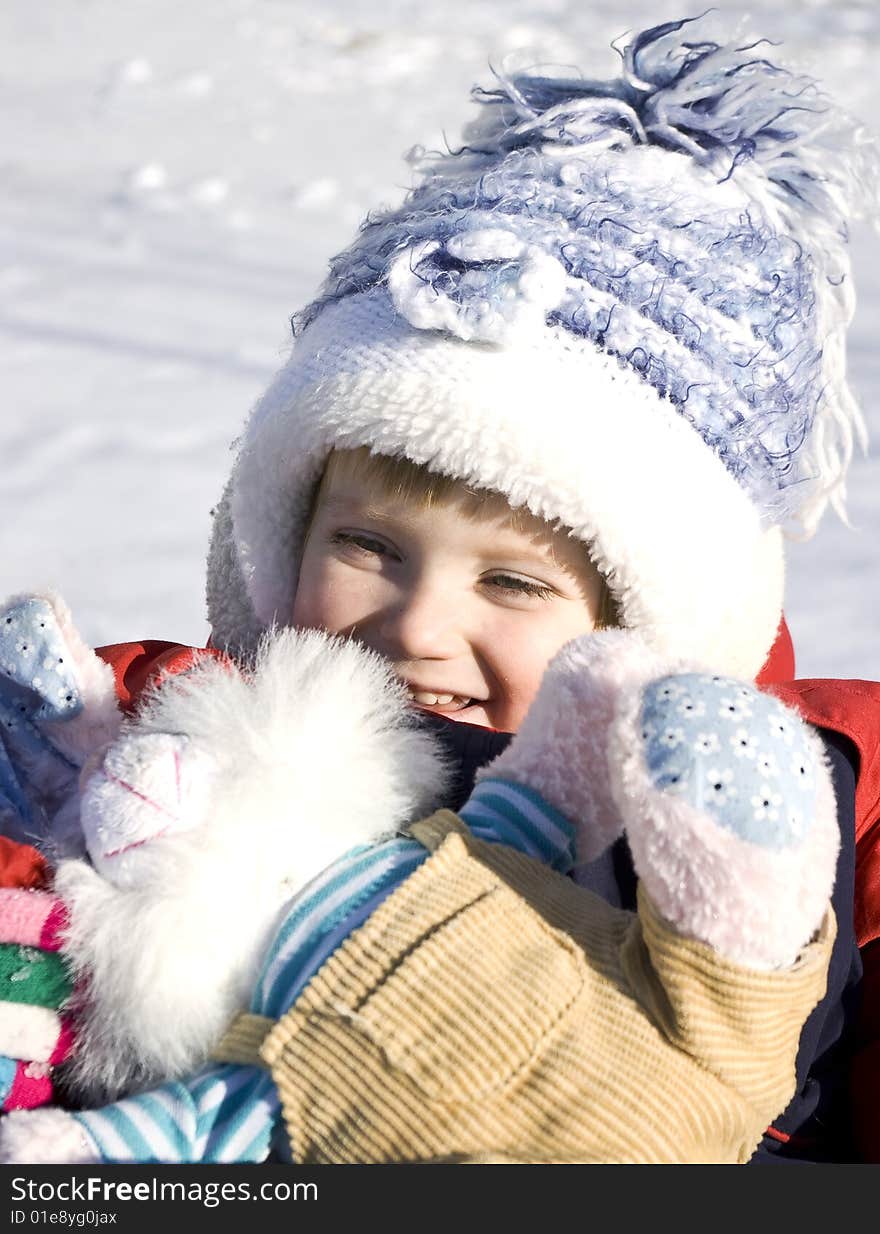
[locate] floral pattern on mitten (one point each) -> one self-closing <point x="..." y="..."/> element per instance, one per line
<point x="733" y="751"/>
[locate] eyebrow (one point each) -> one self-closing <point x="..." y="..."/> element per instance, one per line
<point x="341" y="503"/>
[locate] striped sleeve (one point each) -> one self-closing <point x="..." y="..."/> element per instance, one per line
<point x="343" y="896"/>
<point x="324" y="913"/>
<point x="225" y="1113"/>
<point x="504" y="812"/>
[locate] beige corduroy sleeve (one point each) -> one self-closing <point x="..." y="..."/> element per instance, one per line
<point x="491" y="1010"/>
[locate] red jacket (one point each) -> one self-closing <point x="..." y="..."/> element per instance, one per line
<point x="851" y="708"/>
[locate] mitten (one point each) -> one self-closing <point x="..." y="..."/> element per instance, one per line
<point x="723" y="792"/>
<point x="45" y="1137"/>
<point x="57" y="707"/>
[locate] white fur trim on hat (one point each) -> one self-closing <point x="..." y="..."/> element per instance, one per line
<point x="554" y="424"/>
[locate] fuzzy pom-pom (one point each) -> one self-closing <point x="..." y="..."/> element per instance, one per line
<point x="726" y="104"/>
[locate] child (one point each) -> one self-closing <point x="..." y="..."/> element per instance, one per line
<point x="622" y="307"/>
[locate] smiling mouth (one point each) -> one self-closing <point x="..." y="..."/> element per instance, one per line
<point x="428" y="700"/>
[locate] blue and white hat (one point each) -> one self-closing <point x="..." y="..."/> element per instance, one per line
<point x="623" y="305"/>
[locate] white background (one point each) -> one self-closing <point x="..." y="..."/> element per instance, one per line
<point x="174" y="177"/>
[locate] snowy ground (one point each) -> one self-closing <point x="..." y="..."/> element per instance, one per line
<point x="173" y="179"/>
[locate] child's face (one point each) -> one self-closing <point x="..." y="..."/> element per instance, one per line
<point x="469" y="610"/>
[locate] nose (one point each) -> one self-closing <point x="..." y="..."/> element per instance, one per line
<point x="423" y="622"/>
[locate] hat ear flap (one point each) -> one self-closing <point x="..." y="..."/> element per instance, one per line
<point x="235" y="627"/>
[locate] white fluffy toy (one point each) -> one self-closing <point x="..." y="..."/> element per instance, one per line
<point x="250" y="834"/>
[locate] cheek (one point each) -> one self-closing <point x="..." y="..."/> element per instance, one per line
<point x="331" y="596"/>
<point x="309" y="599"/>
<point x="520" y="674"/>
<point x="520" y="654"/>
<point x="314" y="589"/>
<point x="513" y="657"/>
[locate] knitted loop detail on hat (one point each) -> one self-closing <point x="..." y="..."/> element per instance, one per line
<point x="486" y="285"/>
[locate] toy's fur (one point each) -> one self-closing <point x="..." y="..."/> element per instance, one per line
<point x="318" y="752"/>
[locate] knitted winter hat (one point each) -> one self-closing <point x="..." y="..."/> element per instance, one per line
<point x="623" y="305"/>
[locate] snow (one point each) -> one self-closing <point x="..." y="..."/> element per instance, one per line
<point x="173" y="180"/>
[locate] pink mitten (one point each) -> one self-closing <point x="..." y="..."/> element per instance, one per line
<point x="723" y="792"/>
<point x="561" y="749"/>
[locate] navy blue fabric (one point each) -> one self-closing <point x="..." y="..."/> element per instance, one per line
<point x="815" y="1126"/>
<point x="818" y="1117"/>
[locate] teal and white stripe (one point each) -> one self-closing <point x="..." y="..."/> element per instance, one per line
<point x="508" y="813"/>
<point x="227" y="1112"/>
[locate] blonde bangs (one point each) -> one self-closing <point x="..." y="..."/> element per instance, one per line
<point x="402" y="480"/>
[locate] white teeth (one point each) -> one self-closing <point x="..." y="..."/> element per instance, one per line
<point x="428" y="699"/>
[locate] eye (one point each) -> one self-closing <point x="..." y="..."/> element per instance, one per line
<point x="514" y="586"/>
<point x="361" y="544"/>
